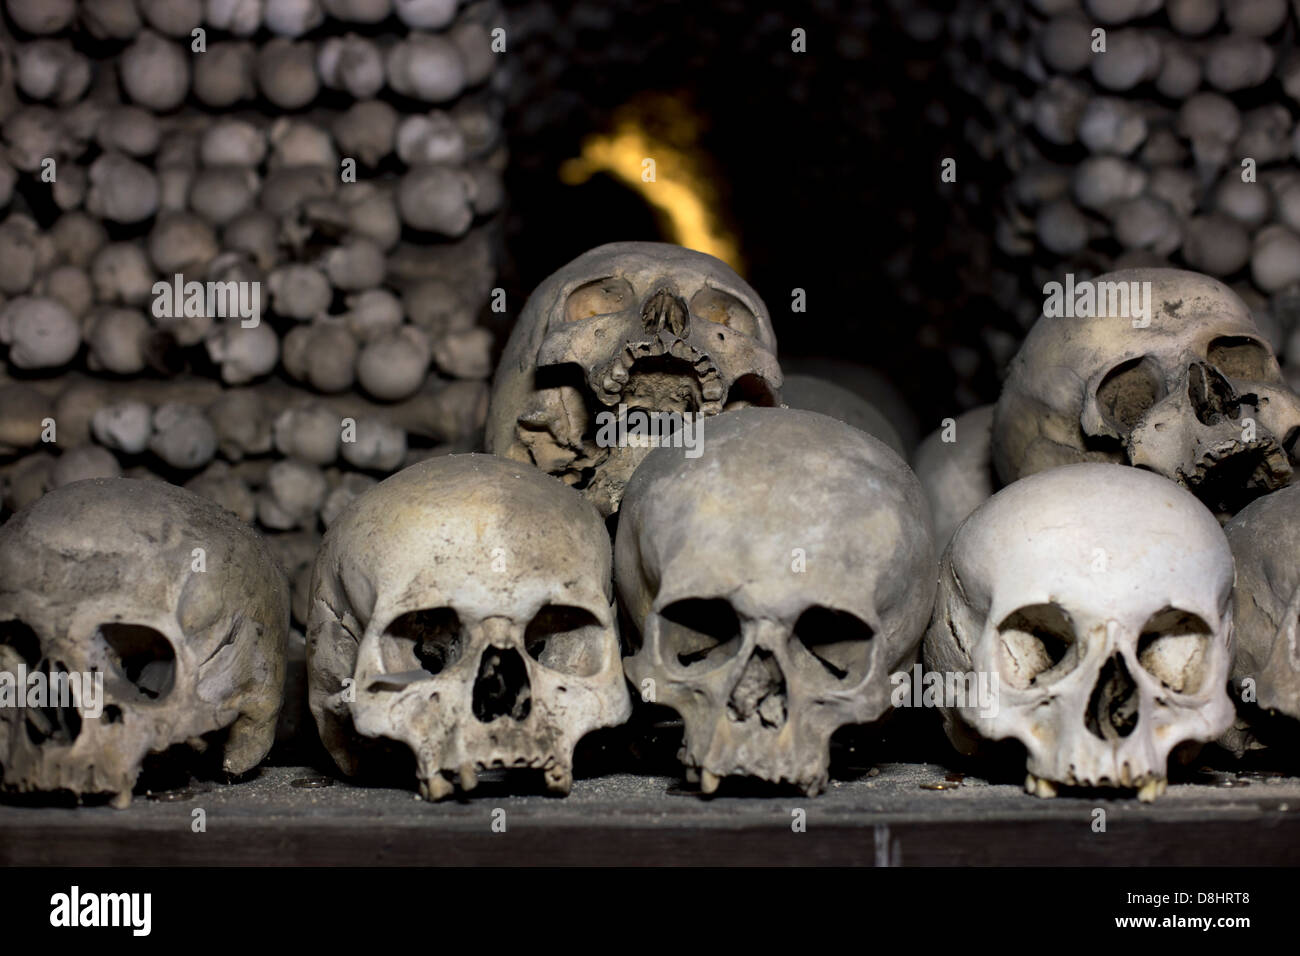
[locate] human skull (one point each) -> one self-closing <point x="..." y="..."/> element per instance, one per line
<point x="955" y="467"/>
<point x="1196" y="395"/>
<point x="1098" y="598"/>
<point x="626" y="326"/>
<point x="464" y="608"/>
<point x="767" y="627"/>
<point x="175" y="602"/>
<point x="1265" y="540"/>
<point x="814" y="394"/>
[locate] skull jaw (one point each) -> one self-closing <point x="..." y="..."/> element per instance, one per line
<point x="797" y="753"/>
<point x="565" y="445"/>
<point x="1060" y="750"/>
<point x="437" y="783"/>
<point x="600" y="473"/>
<point x="557" y="432"/>
<point x="610" y="477"/>
<point x="767" y="755"/>
<point x="1099" y="765"/>
<point x="757" y="717"/>
<point x="1059" y="754"/>
<point x="452" y="749"/>
<point x="1214" y="462"/>
<point x="501" y="745"/>
<point x="104" y="762"/>
<point x="108" y="758"/>
<point x="1088" y="730"/>
<point x="660" y="374"/>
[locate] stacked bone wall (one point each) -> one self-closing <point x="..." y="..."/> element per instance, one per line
<point x="1137" y="132"/>
<point x="339" y="161"/>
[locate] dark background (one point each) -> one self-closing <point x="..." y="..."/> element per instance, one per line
<point x="826" y="163"/>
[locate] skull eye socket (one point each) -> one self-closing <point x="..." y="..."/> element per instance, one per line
<point x="1128" y="392"/>
<point x="566" y="639"/>
<point x="22" y="640"/>
<point x="1036" y="646"/>
<point x="428" y="640"/>
<point x="839" y="643"/>
<point x="142" y="656"/>
<point x="722" y="308"/>
<point x="1174" y="647"/>
<point x="1242" y="358"/>
<point x="601" y="297"/>
<point x="699" y="634"/>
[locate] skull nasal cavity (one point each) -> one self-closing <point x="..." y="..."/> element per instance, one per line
<point x="1113" y="708"/>
<point x="665" y="310"/>
<point x="58" y="721"/>
<point x="1213" y="397"/>
<point x="501" y="688"/>
<point x="759" y="692"/>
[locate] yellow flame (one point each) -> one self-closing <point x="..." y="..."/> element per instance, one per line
<point x="664" y="130"/>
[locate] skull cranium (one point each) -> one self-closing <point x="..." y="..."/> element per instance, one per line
<point x="1099" y="597"/>
<point x="464" y="608"/>
<point x="174" y="601"/>
<point x="632" y="325"/>
<point x="768" y="627"/>
<point x="1195" y="394"/>
<point x="1265" y="539"/>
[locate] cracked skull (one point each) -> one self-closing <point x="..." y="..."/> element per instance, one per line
<point x="170" y="601"/>
<point x="1265" y="539"/>
<point x="626" y="327"/>
<point x="1098" y="599"/>
<point x="464" y="608"/>
<point x="1196" y="395"/>
<point x="767" y="628"/>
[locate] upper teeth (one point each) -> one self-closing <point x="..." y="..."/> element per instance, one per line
<point x="711" y="385"/>
<point x="1039" y="787"/>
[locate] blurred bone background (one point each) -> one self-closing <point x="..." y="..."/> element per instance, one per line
<point x="820" y="170"/>
<point x="141" y="139"/>
<point x="801" y="143"/>
<point x="1177" y="145"/>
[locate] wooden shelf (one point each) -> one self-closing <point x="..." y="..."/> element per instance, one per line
<point x="894" y="816"/>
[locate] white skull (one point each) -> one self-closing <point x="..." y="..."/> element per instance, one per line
<point x="777" y="581"/>
<point x="106" y="576"/>
<point x="1099" y="597"/>
<point x="1196" y="396"/>
<point x="464" y="608"/>
<point x="1265" y="539"/>
<point x="644" y="325"/>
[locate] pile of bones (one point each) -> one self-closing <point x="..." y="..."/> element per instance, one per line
<point x="229" y="225"/>
<point x="247" y="247"/>
<point x="1110" y="550"/>
<point x="1137" y="133"/>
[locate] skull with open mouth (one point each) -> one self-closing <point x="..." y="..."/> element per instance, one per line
<point x="1195" y="395"/>
<point x="626" y="327"/>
